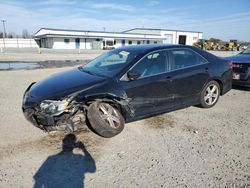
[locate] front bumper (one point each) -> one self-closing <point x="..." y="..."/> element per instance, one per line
<point x="29" y="115"/>
<point x="42" y="121"/>
<point x="54" y="123"/>
<point x="36" y="117"/>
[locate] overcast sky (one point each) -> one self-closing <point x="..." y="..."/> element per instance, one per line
<point x="224" y="19"/>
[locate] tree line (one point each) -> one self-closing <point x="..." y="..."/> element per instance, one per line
<point x="25" y="34"/>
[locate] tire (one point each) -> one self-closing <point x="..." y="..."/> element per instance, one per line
<point x="105" y="120"/>
<point x="210" y="94"/>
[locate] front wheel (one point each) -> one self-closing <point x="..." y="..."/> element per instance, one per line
<point x="210" y="94"/>
<point x="105" y="120"/>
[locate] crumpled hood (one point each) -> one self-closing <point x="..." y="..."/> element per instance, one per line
<point x="63" y="84"/>
<point x="243" y="58"/>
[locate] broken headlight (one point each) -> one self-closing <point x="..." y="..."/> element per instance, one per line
<point x="54" y="107"/>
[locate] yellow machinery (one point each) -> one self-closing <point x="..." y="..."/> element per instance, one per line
<point x="201" y="43"/>
<point x="217" y="45"/>
<point x="232" y="45"/>
<point x="204" y="44"/>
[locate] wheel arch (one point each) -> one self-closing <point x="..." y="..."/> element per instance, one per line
<point x="121" y="103"/>
<point x="219" y="81"/>
<point x="220" y="84"/>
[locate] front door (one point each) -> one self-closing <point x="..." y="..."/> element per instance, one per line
<point x="151" y="92"/>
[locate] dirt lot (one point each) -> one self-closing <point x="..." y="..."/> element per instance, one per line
<point x="192" y="147"/>
<point x="33" y="54"/>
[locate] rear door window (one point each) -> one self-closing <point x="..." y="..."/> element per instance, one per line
<point x="182" y="58"/>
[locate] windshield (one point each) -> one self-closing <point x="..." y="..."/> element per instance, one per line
<point x="110" y="63"/>
<point x="246" y="51"/>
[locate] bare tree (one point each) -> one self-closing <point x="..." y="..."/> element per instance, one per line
<point x="14" y="35"/>
<point x="25" y="34"/>
<point x="11" y="35"/>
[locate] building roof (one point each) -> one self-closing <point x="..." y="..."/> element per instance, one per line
<point x="50" y="32"/>
<point x="160" y="30"/>
<point x="46" y="32"/>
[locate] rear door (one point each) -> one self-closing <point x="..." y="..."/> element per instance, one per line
<point x="189" y="74"/>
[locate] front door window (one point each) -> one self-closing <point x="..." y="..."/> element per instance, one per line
<point x="153" y="64"/>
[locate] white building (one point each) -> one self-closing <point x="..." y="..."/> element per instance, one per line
<point x="170" y="36"/>
<point x="75" y="39"/>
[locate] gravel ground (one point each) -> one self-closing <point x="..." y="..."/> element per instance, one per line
<point x="32" y="54"/>
<point x="192" y="147"/>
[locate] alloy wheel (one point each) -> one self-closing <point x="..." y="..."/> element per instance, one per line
<point x="211" y="94"/>
<point x="109" y="114"/>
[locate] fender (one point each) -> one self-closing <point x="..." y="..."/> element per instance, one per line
<point x="97" y="93"/>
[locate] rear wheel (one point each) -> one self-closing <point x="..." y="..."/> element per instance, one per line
<point x="210" y="94"/>
<point x="105" y="120"/>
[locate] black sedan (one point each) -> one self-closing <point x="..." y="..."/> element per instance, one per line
<point x="241" y="68"/>
<point x="127" y="84"/>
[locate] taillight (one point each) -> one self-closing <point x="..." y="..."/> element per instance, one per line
<point x="230" y="65"/>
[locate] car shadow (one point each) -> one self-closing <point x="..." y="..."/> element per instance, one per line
<point x="241" y="88"/>
<point x="65" y="169"/>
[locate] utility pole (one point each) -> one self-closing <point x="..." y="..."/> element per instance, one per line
<point x="4" y="32"/>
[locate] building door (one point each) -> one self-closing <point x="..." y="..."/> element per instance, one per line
<point x="123" y="42"/>
<point x="77" y="41"/>
<point x="168" y="39"/>
<point x="182" y="39"/>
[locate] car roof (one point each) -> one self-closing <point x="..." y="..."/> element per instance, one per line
<point x="147" y="48"/>
<point x="151" y="47"/>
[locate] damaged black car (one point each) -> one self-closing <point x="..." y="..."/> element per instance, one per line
<point x="125" y="85"/>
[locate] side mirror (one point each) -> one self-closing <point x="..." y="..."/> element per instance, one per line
<point x="133" y="75"/>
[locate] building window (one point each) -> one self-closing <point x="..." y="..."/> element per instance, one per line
<point x="129" y="42"/>
<point x="138" y="42"/>
<point x="66" y="40"/>
<point x="114" y="42"/>
<point x="148" y="42"/>
<point x="155" y="42"/>
<point x="97" y="40"/>
<point x="109" y="43"/>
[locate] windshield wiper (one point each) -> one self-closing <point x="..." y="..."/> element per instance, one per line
<point x="81" y="69"/>
<point x="89" y="72"/>
<point x="92" y="73"/>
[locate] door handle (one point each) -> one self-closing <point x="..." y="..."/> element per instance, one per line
<point x="169" y="78"/>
